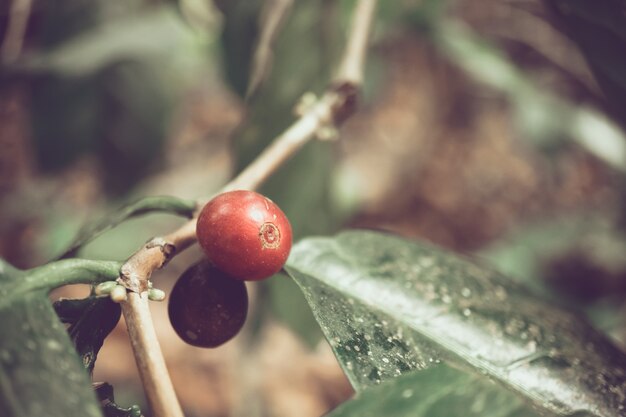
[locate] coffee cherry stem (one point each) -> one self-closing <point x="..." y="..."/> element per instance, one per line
<point x="334" y="107"/>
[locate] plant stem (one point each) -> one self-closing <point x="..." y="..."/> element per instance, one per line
<point x="16" y="29"/>
<point x="154" y="376"/>
<point x="353" y="63"/>
<point x="283" y="148"/>
<point x="69" y="271"/>
<point x="338" y="103"/>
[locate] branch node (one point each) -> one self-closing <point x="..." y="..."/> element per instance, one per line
<point x="167" y="249"/>
<point x="136" y="271"/>
<point x="347" y="101"/>
<point x="305" y="104"/>
<point x="132" y="280"/>
<point x="118" y="294"/>
<point x="327" y="133"/>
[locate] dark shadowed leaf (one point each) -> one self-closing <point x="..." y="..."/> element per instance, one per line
<point x="437" y="392"/>
<point x="546" y="119"/>
<point x="136" y="36"/>
<point x="272" y="17"/>
<point x="105" y="82"/>
<point x="162" y="204"/>
<point x="388" y="306"/>
<point x="599" y="29"/>
<point x="533" y="253"/>
<point x="104" y="392"/>
<point x="90" y="322"/>
<point x="119" y="115"/>
<point x="239" y="34"/>
<point x="65" y="121"/>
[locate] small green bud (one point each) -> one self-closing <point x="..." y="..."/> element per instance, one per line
<point x="327" y="133"/>
<point x="306" y="102"/>
<point x="105" y="287"/>
<point x="156" y="294"/>
<point x="118" y="294"/>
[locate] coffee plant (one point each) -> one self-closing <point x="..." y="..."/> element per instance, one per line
<point x="418" y="330"/>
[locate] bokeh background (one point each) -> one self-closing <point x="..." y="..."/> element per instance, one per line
<point x="492" y="128"/>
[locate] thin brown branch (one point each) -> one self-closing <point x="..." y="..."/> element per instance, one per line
<point x="338" y="103"/>
<point x="282" y="148"/>
<point x="353" y="63"/>
<point x="16" y="30"/>
<point x="273" y="16"/>
<point x="154" y="376"/>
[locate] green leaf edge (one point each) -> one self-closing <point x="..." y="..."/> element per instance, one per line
<point x="147" y="205"/>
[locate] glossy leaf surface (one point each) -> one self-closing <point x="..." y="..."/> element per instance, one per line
<point x="389" y="306"/>
<point x="437" y="392"/>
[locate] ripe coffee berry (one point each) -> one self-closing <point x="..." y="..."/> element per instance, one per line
<point x="207" y="307"/>
<point x="244" y="234"/>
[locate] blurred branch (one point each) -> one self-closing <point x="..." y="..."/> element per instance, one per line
<point x="16" y="29"/>
<point x="353" y="63"/>
<point x="544" y="117"/>
<point x="149" y="357"/>
<point x="273" y="16"/>
<point x="337" y="104"/>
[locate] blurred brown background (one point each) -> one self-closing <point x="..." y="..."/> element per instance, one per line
<point x="484" y="127"/>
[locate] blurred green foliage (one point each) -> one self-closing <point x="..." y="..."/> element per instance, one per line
<point x="120" y="115"/>
<point x="598" y="29"/>
<point x="547" y="121"/>
<point x="577" y="260"/>
<point x="104" y="80"/>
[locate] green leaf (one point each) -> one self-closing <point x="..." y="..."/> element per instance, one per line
<point x="389" y="306"/>
<point x="286" y="300"/>
<point x="441" y="391"/>
<point x="40" y="373"/>
<point x="146" y="205"/>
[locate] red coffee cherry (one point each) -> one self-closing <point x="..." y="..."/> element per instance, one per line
<point x="244" y="234"/>
<point x="207" y="307"/>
